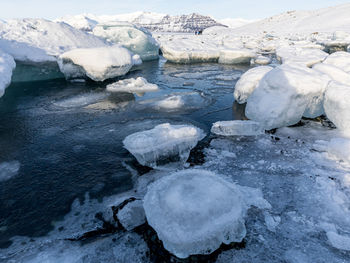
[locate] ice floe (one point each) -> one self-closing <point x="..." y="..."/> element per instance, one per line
<point x="237" y="128"/>
<point x="138" y="86"/>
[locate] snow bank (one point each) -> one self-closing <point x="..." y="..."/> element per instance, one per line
<point x="339" y="59"/>
<point x="137" y="40"/>
<point x="248" y="82"/>
<point x="138" y="85"/>
<point x="285" y="94"/>
<point x="163" y="144"/>
<point x="237" y="128"/>
<point x="7" y="64"/>
<point x="98" y="64"/>
<point x="236" y="56"/>
<point x="337" y="106"/>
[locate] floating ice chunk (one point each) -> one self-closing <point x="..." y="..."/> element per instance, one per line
<point x="339" y="59"/>
<point x="98" y="64"/>
<point x="236" y="56"/>
<point x="239" y="128"/>
<point x="8" y="170"/>
<point x="178" y="101"/>
<point x="7" y="64"/>
<point x="136" y="60"/>
<point x="194" y="212"/>
<point x="333" y="72"/>
<point x="248" y="82"/>
<point x="132" y="215"/>
<point x="262" y="60"/>
<point x="306" y="56"/>
<point x="338" y="241"/>
<point x="138" y="86"/>
<point x="81" y="100"/>
<point x="137" y="40"/>
<point x="336" y="105"/>
<point x="163" y="143"/>
<point x="285" y="94"/>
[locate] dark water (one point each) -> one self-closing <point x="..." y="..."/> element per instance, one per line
<point x="68" y="136"/>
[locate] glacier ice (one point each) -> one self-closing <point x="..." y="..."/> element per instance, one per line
<point x="8" y="170"/>
<point x="339" y="59"/>
<point x="7" y="64"/>
<point x="132" y="215"/>
<point x="138" y="86"/>
<point x="285" y="94"/>
<point x="236" y="56"/>
<point x="163" y="144"/>
<point x="248" y="82"/>
<point x="137" y="40"/>
<point x="336" y="105"/>
<point x="237" y="128"/>
<point x="98" y="64"/>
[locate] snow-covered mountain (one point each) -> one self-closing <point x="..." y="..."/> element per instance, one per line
<point x="327" y="19"/>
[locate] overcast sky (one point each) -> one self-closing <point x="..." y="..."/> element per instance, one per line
<point x="250" y="9"/>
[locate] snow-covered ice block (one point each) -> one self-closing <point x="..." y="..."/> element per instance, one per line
<point x="306" y="56"/>
<point x="337" y="106"/>
<point x="262" y="60"/>
<point x="81" y="22"/>
<point x="236" y="56"/>
<point x="194" y="212"/>
<point x="138" y="86"/>
<point x="8" y="170"/>
<point x="339" y="59"/>
<point x="248" y="82"/>
<point x="7" y="64"/>
<point x="237" y="127"/>
<point x="132" y="215"/>
<point x="163" y="144"/>
<point x="98" y="64"/>
<point x="338" y="241"/>
<point x="333" y="72"/>
<point x="39" y="40"/>
<point x="137" y="40"/>
<point x="285" y="94"/>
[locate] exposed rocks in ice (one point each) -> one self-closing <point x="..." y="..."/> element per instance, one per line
<point x="137" y="40"/>
<point x="237" y="128"/>
<point x="333" y="72"/>
<point x="195" y="211"/>
<point x="306" y="56"/>
<point x="138" y="86"/>
<point x="339" y="59"/>
<point x="39" y="40"/>
<point x="132" y="215"/>
<point x="336" y="105"/>
<point x="339" y="241"/>
<point x="98" y="64"/>
<point x="163" y="144"/>
<point x="248" y="82"/>
<point x="8" y="170"/>
<point x="236" y="56"/>
<point x="285" y="94"/>
<point x="7" y="64"/>
<point x="262" y="60"/>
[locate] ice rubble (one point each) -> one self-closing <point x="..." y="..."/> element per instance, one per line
<point x="195" y="211"/>
<point x="237" y="128"/>
<point x="163" y="144"/>
<point x="236" y="56"/>
<point x="98" y="64"/>
<point x="138" y="86"/>
<point x="137" y="40"/>
<point x="8" y="170"/>
<point x="285" y="94"/>
<point x="7" y="64"/>
<point x="339" y="59"/>
<point x="306" y="56"/>
<point x="336" y="105"/>
<point x="248" y="82"/>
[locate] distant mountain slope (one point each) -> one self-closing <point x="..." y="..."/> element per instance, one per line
<point x="323" y="20"/>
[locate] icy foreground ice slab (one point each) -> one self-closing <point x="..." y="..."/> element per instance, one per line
<point x="195" y="211"/>
<point x="137" y="40"/>
<point x="8" y="170"/>
<point x="306" y="56"/>
<point x="237" y="128"/>
<point x="39" y="40"/>
<point x="163" y="143"/>
<point x="248" y="82"/>
<point x="337" y="106"/>
<point x="98" y="64"/>
<point x="138" y="85"/>
<point x="285" y="94"/>
<point x="7" y="64"/>
<point x="236" y="56"/>
<point x="339" y="59"/>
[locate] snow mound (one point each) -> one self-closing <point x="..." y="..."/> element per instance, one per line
<point x="98" y="64"/>
<point x="339" y="59"/>
<point x="333" y="72"/>
<point x="195" y="211"/>
<point x="236" y="56"/>
<point x="137" y="40"/>
<point x="237" y="128"/>
<point x="336" y="105"/>
<point x="138" y="86"/>
<point x="39" y="40"/>
<point x="306" y="56"/>
<point x="163" y="143"/>
<point x="8" y="170"/>
<point x="248" y="82"/>
<point x="7" y="64"/>
<point x="285" y="94"/>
